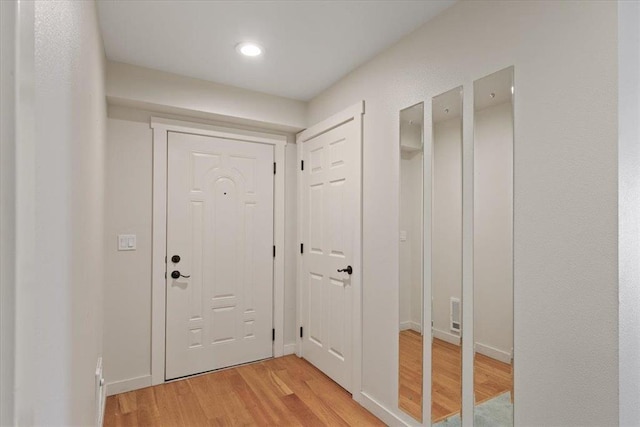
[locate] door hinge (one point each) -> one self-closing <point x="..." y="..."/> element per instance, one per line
<point x="301" y="248"/>
<point x="273" y="335"/>
<point x="301" y="164"/>
<point x="274" y="168"/>
<point x="301" y="332"/>
<point x="274" y="251"/>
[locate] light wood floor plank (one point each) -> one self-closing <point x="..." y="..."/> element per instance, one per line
<point x="287" y="391"/>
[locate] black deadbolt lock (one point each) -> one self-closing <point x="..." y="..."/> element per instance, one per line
<point x="175" y="259"/>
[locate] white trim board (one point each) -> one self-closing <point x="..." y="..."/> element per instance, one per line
<point x="446" y="336"/>
<point x="628" y="211"/>
<point x="290" y="348"/>
<point x="492" y="352"/>
<point x="161" y="127"/>
<point x="124" y="386"/>
<point x="354" y="112"/>
<point x="388" y="417"/>
<point x="411" y="325"/>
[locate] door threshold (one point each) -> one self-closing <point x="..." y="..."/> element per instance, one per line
<point x="217" y="370"/>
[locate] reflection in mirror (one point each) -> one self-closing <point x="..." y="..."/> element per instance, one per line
<point x="446" y="259"/>
<point x="493" y="249"/>
<point x="411" y="232"/>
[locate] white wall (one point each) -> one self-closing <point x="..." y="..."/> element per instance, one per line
<point x="565" y="252"/>
<point x="134" y="94"/>
<point x="154" y="90"/>
<point x="59" y="230"/>
<point x="446" y="245"/>
<point x="492" y="231"/>
<point x="7" y="209"/>
<point x="128" y="210"/>
<point x="411" y="250"/>
<point x="127" y="293"/>
<point x="629" y="205"/>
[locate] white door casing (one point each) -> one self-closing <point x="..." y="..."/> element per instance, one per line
<point x="220" y="223"/>
<point x="330" y="224"/>
<point x="162" y="129"/>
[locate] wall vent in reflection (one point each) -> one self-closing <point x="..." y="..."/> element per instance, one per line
<point x="454" y="315"/>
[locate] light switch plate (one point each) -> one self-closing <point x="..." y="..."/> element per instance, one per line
<point x="126" y="242"/>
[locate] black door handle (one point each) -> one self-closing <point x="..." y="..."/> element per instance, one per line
<point x="175" y="274"/>
<point x="347" y="270"/>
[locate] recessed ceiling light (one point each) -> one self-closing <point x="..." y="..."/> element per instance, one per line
<point x="249" y="49"/>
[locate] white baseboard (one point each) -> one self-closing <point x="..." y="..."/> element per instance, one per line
<point x="492" y="352"/>
<point x="377" y="409"/>
<point x="289" y="349"/>
<point x="446" y="336"/>
<point x="128" y="385"/>
<point x="414" y="326"/>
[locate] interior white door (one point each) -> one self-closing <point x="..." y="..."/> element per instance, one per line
<point x="220" y="224"/>
<point x="330" y="233"/>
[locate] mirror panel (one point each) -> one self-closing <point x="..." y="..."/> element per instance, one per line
<point x="493" y="249"/>
<point x="446" y="259"/>
<point x="411" y="257"/>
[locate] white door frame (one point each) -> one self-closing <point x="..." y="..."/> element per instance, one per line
<point x="161" y="127"/>
<point x="354" y="113"/>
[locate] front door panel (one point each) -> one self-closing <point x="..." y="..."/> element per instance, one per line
<point x="220" y="223"/>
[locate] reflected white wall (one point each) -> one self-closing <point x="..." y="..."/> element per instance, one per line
<point x="411" y="248"/>
<point x="446" y="249"/>
<point x="493" y="231"/>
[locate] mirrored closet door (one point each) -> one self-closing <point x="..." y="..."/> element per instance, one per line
<point x="446" y="259"/>
<point x="411" y="261"/>
<point x="493" y="249"/>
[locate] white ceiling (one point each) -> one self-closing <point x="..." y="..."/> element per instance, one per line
<point x="308" y="44"/>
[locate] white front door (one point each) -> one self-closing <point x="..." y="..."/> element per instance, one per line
<point x="220" y="224"/>
<point x="330" y="237"/>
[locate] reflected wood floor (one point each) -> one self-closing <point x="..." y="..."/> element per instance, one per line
<point x="286" y="391"/>
<point x="410" y="374"/>
<point x="491" y="377"/>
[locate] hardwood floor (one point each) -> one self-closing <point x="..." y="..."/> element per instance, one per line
<point x="286" y="391"/>
<point x="446" y="380"/>
<point x="491" y="377"/>
<point x="410" y="375"/>
<point x="289" y="391"/>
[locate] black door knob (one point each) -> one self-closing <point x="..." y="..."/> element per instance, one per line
<point x="175" y="274"/>
<point x="175" y="259"/>
<point x="347" y="270"/>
